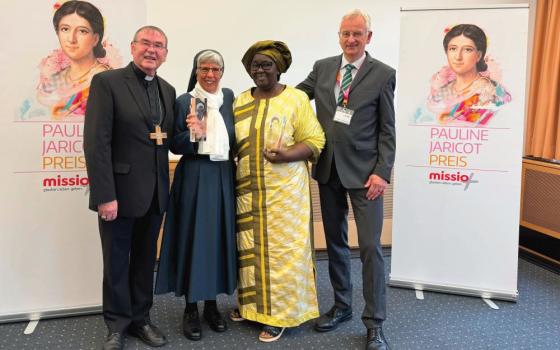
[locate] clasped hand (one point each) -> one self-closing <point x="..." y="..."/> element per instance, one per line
<point x="276" y="155"/>
<point x="294" y="153"/>
<point x="196" y="125"/>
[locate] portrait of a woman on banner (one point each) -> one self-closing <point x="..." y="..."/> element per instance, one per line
<point x="468" y="90"/>
<point x="65" y="74"/>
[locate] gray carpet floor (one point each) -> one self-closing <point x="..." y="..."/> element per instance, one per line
<point x="440" y="321"/>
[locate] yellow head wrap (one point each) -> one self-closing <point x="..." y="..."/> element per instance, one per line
<point x="276" y="50"/>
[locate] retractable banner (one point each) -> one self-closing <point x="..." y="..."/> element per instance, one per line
<point x="461" y="105"/>
<point x="50" y="251"/>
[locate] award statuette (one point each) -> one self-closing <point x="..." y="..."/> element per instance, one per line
<point x="199" y="108"/>
<point x="276" y="132"/>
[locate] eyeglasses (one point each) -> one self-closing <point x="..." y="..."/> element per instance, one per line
<point x="147" y="44"/>
<point x="347" y="34"/>
<point x="266" y="66"/>
<point x="206" y="70"/>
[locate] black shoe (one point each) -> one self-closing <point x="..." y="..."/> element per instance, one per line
<point x="114" y="341"/>
<point x="376" y="340"/>
<point x="148" y="333"/>
<point x="332" y="319"/>
<point x="215" y="319"/>
<point x="191" y="325"/>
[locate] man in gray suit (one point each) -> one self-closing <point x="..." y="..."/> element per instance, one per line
<point x="353" y="95"/>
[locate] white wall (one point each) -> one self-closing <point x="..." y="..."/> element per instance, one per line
<point x="308" y="27"/>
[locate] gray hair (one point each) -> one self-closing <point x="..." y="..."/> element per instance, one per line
<point x="210" y="56"/>
<point x="359" y="13"/>
<point x="153" y="28"/>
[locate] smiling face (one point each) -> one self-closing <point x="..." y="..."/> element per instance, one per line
<point x="353" y="37"/>
<point x="208" y="75"/>
<point x="264" y="72"/>
<point x="463" y="55"/>
<point x="149" y="50"/>
<point x="76" y="37"/>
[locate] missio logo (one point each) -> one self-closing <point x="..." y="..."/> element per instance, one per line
<point x="453" y="177"/>
<point x="456" y="177"/>
<point x="60" y="181"/>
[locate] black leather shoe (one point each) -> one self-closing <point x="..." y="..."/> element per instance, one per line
<point x="191" y="325"/>
<point x="114" y="341"/>
<point x="376" y="340"/>
<point x="215" y="319"/>
<point x="148" y="333"/>
<point x="332" y="319"/>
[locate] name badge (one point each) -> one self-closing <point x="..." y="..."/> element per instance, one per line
<point x="343" y="115"/>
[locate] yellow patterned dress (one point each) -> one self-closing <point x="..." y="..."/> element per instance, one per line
<point x="276" y="270"/>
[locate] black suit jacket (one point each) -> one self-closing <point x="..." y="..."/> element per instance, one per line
<point x="367" y="145"/>
<point x="123" y="163"/>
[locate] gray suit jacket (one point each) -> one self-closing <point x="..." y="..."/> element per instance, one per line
<point x="367" y="145"/>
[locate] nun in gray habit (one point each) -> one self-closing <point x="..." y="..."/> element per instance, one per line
<point x="198" y="255"/>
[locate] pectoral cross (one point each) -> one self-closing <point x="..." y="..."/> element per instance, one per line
<point x="158" y="136"/>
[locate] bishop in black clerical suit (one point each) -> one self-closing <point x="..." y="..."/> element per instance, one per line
<point x="128" y="122"/>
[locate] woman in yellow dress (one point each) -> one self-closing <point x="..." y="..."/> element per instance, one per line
<point x="277" y="133"/>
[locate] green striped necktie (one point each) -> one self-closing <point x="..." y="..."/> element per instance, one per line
<point x="345" y="83"/>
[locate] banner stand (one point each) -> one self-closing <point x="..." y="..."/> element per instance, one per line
<point x="42" y="315"/>
<point x="50" y="250"/>
<point x="450" y="289"/>
<point x="461" y="112"/>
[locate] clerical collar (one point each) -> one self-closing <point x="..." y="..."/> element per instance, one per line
<point x="140" y="74"/>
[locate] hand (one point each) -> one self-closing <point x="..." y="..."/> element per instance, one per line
<point x="294" y="153"/>
<point x="376" y="187"/>
<point x="108" y="211"/>
<point x="276" y="155"/>
<point x="196" y="125"/>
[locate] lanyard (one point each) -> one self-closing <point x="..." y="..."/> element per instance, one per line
<point x="345" y="97"/>
<point x="345" y="93"/>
